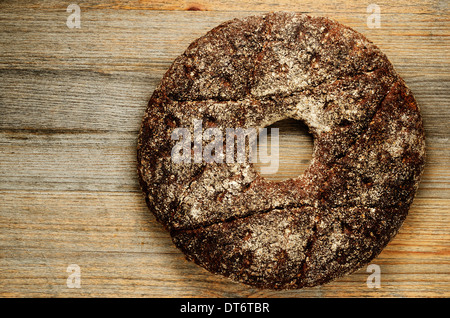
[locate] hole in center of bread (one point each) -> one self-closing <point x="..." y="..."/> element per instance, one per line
<point x="295" y="148"/>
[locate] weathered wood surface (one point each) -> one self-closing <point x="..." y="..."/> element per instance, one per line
<point x="71" y="102"/>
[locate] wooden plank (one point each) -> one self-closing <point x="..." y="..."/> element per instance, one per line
<point x="106" y="161"/>
<point x="101" y="76"/>
<point x="93" y="102"/>
<point x="435" y="7"/>
<point x="121" y="250"/>
<point x="68" y="161"/>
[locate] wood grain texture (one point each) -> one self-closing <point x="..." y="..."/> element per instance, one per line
<point x="71" y="102"/>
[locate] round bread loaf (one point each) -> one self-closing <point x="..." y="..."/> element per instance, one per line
<point x="367" y="160"/>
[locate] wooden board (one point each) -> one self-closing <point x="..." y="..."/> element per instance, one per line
<point x="71" y="101"/>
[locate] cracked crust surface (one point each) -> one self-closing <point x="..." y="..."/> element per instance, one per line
<point x="368" y="155"/>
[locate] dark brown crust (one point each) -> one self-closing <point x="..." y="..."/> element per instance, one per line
<point x="369" y="151"/>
